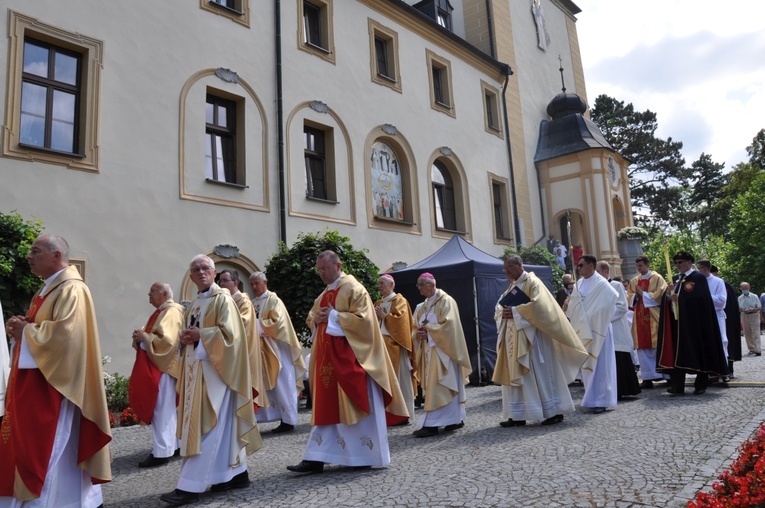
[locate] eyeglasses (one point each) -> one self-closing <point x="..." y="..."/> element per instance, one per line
<point x="420" y="284"/>
<point x="580" y="265"/>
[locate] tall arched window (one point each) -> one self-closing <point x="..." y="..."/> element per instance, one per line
<point x="443" y="197"/>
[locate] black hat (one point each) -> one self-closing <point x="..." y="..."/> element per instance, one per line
<point x="683" y="256"/>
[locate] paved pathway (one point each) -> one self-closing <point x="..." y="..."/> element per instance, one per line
<point x="655" y="451"/>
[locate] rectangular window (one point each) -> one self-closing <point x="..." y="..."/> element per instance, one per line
<point x="441" y="93"/>
<point x="438" y="86"/>
<point x="50" y="96"/>
<point x="220" y="149"/>
<point x="315" y="33"/>
<point x="237" y="11"/>
<point x="383" y="44"/>
<point x="492" y="122"/>
<point x="499" y="222"/>
<point x="229" y="4"/>
<point x="52" y="103"/>
<point x="312" y="20"/>
<point x="381" y="51"/>
<point x="315" y="163"/>
<point x="491" y="111"/>
<point x="500" y="209"/>
<point x="444" y="18"/>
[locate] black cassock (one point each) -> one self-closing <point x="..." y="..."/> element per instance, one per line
<point x="693" y="342"/>
<point x="733" y="324"/>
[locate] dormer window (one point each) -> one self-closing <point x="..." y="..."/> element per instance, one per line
<point x="438" y="10"/>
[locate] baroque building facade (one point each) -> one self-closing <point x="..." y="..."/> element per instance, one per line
<point x="147" y="132"/>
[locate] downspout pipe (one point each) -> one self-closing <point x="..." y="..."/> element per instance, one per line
<point x="513" y="195"/>
<point x="280" y="123"/>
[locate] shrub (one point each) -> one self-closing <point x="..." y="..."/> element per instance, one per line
<point x="291" y="273"/>
<point x="17" y="283"/>
<point x="539" y="255"/>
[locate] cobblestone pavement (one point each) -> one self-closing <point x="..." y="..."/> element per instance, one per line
<point x="655" y="451"/>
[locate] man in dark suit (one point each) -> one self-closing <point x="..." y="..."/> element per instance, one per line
<point x="689" y="337"/>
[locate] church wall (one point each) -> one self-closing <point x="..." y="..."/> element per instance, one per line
<point x="539" y="81"/>
<point x="127" y="220"/>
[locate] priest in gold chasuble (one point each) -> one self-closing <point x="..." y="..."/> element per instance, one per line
<point x="538" y="352"/>
<point x="442" y="359"/>
<point x="216" y="422"/>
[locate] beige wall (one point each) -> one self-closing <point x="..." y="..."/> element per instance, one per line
<point x="128" y="221"/>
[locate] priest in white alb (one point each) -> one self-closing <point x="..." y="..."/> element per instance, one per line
<point x="216" y="422"/>
<point x="442" y="359"/>
<point x="395" y="317"/>
<point x="278" y="337"/>
<point x="590" y="310"/>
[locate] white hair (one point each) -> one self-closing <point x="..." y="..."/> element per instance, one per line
<point x="202" y="257"/>
<point x="258" y="276"/>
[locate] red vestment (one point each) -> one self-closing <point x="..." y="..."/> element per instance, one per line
<point x="336" y="369"/>
<point x="643" y="319"/>
<point x="144" y="380"/>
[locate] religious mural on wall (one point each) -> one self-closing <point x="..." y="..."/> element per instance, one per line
<point x="387" y="192"/>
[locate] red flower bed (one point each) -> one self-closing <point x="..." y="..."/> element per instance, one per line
<point x="743" y="486"/>
<point x="128" y="417"/>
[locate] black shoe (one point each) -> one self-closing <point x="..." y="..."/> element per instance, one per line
<point x="454" y="426"/>
<point x="426" y="432"/>
<point x="646" y="384"/>
<point x="177" y="452"/>
<point x="758" y="354"/>
<point x="598" y="410"/>
<point x="512" y="423"/>
<point x="699" y="391"/>
<point x="152" y="461"/>
<point x="307" y="466"/>
<point x="401" y="424"/>
<point x="676" y="391"/>
<point x="553" y="420"/>
<point x="180" y="497"/>
<point x="283" y="427"/>
<point x="239" y="481"/>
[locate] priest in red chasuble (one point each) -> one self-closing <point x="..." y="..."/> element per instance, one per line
<point x="155" y="373"/>
<point x="644" y="297"/>
<point x="352" y="379"/>
<point x="54" y="441"/>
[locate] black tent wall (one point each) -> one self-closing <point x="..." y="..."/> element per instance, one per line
<point x="457" y="266"/>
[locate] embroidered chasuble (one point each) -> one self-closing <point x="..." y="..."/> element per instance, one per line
<point x="158" y="356"/>
<point x="445" y="332"/>
<point x="546" y="316"/>
<point x="396" y="327"/>
<point x="218" y="362"/>
<point x="62" y="337"/>
<point x="337" y="377"/>
<point x="645" y="324"/>
<point x="263" y="364"/>
<point x="275" y="321"/>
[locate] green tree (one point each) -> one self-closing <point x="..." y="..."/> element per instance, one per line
<point x="708" y="184"/>
<point x="17" y="283"/>
<point x="292" y="275"/>
<point x="747" y="229"/>
<point x="713" y="247"/>
<point x="539" y="255"/>
<point x="656" y="165"/>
